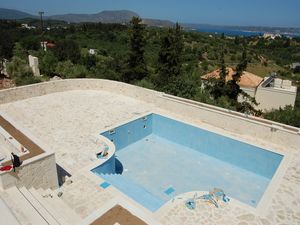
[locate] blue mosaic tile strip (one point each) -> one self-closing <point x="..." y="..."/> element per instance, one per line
<point x="169" y="191"/>
<point x="104" y="184"/>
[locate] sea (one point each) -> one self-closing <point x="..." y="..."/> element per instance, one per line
<point x="231" y="32"/>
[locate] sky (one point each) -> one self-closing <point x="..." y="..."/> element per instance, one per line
<point x="284" y="13"/>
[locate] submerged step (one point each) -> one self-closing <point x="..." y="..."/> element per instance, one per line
<point x="134" y="191"/>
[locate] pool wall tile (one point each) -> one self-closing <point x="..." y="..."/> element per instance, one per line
<point x="240" y="154"/>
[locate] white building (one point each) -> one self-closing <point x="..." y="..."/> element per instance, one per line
<point x="271" y="36"/>
<point x="92" y="51"/>
<point x="270" y="92"/>
<point x="25" y="25"/>
<point x="295" y="65"/>
<point x="44" y="45"/>
<point x="274" y="93"/>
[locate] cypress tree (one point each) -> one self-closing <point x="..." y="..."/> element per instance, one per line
<point x="136" y="66"/>
<point x="218" y="86"/>
<point x="233" y="87"/>
<point x="169" y="58"/>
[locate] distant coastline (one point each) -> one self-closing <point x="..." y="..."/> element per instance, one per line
<point x="229" y="32"/>
<point x="242" y="31"/>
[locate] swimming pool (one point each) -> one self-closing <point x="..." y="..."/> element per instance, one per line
<point x="158" y="158"/>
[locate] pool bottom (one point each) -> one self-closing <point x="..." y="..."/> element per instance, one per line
<point x="155" y="170"/>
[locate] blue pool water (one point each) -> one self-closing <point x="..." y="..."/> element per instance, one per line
<point x="158" y="158"/>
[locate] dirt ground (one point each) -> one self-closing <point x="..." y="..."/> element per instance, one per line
<point x="118" y="215"/>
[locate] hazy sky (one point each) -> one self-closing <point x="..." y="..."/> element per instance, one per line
<point x="229" y="12"/>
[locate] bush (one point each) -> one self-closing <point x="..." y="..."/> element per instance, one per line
<point x="287" y="115"/>
<point x="27" y="79"/>
<point x="67" y="69"/>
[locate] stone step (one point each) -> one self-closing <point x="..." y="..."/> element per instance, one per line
<point x="58" y="203"/>
<point x="22" y="209"/>
<point x="55" y="211"/>
<point x="38" y="206"/>
<point x="7" y="216"/>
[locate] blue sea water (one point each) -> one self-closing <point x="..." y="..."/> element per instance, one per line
<point x="228" y="32"/>
<point x="232" y="32"/>
<point x="158" y="158"/>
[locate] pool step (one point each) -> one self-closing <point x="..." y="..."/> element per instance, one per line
<point x="134" y="191"/>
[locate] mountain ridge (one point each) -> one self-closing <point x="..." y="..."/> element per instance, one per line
<point x="12" y="14"/>
<point x="106" y="16"/>
<point x="114" y="16"/>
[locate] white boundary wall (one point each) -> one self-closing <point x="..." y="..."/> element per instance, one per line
<point x="239" y="123"/>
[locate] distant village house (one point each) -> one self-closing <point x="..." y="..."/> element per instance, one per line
<point x="271" y="36"/>
<point x="295" y="67"/>
<point x="25" y="25"/>
<point x="92" y="51"/>
<point x="47" y="45"/>
<point x="270" y="92"/>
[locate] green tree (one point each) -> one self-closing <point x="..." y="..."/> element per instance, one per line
<point x="136" y="66"/>
<point x="17" y="67"/>
<point x="233" y="88"/>
<point x="89" y="61"/>
<point x="181" y="87"/>
<point x="67" y="49"/>
<point x="170" y="56"/>
<point x="286" y="115"/>
<point x="218" y="86"/>
<point x="48" y="64"/>
<point x="6" y="46"/>
<point x="31" y="43"/>
<point x="20" y="52"/>
<point x="67" y="69"/>
<point x="20" y="72"/>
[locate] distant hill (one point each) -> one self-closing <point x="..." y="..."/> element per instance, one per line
<point x="119" y="16"/>
<point x="116" y="16"/>
<point x="12" y="14"/>
<point x="157" y="23"/>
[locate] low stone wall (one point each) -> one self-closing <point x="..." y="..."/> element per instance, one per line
<point x="23" y="92"/>
<point x="232" y="121"/>
<point x="38" y="172"/>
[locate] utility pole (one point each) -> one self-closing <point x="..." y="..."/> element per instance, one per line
<point x="41" y="17"/>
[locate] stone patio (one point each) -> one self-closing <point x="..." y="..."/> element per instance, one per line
<point x="69" y="121"/>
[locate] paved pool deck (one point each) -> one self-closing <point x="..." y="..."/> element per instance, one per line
<point x="69" y="121"/>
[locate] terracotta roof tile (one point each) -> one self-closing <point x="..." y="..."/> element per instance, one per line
<point x="247" y="79"/>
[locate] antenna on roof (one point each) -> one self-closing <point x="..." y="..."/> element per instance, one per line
<point x="41" y="18"/>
